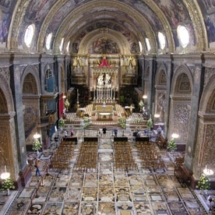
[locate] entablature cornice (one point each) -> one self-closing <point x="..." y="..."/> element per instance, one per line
<point x="181" y="97"/>
<point x="207" y="117"/>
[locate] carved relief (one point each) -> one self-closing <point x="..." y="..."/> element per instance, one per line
<point x="3" y="102"/>
<point x="29" y="85"/>
<point x="198" y="24"/>
<point x="4" y="150"/>
<point x="209" y="149"/>
<point x="17" y="21"/>
<point x="211" y="103"/>
<point x="209" y="72"/>
<point x="6" y="73"/>
<point x="162" y="78"/>
<point x="183" y="84"/>
<point x="161" y="105"/>
<point x="181" y="120"/>
<point x="199" y="151"/>
<point x="30" y="117"/>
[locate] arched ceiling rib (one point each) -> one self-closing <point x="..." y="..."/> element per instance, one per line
<point x="64" y="17"/>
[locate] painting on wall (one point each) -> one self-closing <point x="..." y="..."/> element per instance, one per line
<point x="60" y="15"/>
<point x="104" y="45"/>
<point x="37" y="10"/>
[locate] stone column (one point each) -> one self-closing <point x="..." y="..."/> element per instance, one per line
<point x="151" y="88"/>
<point x="196" y="93"/>
<point x="141" y="68"/>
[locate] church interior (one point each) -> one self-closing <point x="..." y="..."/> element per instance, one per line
<point x="107" y="107"/>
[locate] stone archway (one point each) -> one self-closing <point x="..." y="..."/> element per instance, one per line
<point x="180" y="105"/>
<point x="204" y="150"/>
<point x="8" y="147"/>
<point x="31" y="103"/>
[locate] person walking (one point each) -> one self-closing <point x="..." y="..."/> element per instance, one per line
<point x="37" y="164"/>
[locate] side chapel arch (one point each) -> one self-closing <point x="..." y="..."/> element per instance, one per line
<point x="182" y="86"/>
<point x="8" y="148"/>
<point x="204" y="150"/>
<point x="31" y="102"/>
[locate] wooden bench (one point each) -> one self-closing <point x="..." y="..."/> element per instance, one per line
<point x="183" y="174"/>
<point x="161" y="141"/>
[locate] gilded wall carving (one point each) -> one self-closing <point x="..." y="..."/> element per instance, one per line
<point x="4" y="147"/>
<point x="14" y="148"/>
<point x="3" y="103"/>
<point x="209" y="72"/>
<point x="209" y="149"/>
<point x="16" y="23"/>
<point x="162" y="78"/>
<point x="197" y="161"/>
<point x="211" y="103"/>
<point x="29" y="85"/>
<point x="5" y="73"/>
<point x="31" y="115"/>
<point x="198" y="24"/>
<point x="181" y="120"/>
<point x="161" y="103"/>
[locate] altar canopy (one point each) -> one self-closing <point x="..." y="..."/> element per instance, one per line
<point x="104" y="63"/>
<point x="104" y="82"/>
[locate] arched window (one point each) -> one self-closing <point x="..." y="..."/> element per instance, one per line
<point x="148" y="44"/>
<point x="61" y="44"/>
<point x="29" y="34"/>
<point x="48" y="41"/>
<point x="67" y="47"/>
<point x="162" y="40"/>
<point x="183" y="36"/>
<point x="140" y="46"/>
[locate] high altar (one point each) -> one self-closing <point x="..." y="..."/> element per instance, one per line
<point x="104" y="90"/>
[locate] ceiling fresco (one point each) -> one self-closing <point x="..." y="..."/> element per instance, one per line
<point x="131" y="38"/>
<point x="6" y="11"/>
<point x="71" y="18"/>
<point x="208" y="9"/>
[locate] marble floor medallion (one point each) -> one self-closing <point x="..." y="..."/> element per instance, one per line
<point x="142" y="208"/>
<point x="106" y="180"/>
<point x="70" y="208"/>
<point x="53" y="208"/>
<point x="57" y="194"/>
<point x="106" y="194"/>
<point x="88" y="208"/>
<point x="89" y="194"/>
<point x="106" y="209"/>
<point x="73" y="194"/>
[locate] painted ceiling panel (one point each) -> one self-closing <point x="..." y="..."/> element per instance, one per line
<point x="141" y="17"/>
<point x="208" y="10"/>
<point x="6" y="11"/>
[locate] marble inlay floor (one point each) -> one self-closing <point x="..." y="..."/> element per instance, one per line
<point x="106" y="190"/>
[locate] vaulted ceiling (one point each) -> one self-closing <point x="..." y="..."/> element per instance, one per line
<point x="124" y="21"/>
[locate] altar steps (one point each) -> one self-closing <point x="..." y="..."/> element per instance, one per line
<point x="100" y="125"/>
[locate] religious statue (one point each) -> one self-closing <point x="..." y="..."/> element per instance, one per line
<point x="104" y="79"/>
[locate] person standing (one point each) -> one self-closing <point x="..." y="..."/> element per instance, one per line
<point x="37" y="164"/>
<point x="104" y="130"/>
<point x="115" y="132"/>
